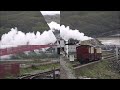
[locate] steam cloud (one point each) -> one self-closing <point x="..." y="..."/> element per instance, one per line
<point x="66" y="33"/>
<point x="15" y="37"/>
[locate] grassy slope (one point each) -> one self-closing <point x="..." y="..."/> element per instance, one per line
<point x="26" y="21"/>
<point x="43" y="67"/>
<point x="92" y="23"/>
<point x="100" y="70"/>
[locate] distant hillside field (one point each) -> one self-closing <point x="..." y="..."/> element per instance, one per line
<point x="55" y="18"/>
<point x="92" y="23"/>
<point x="26" y="21"/>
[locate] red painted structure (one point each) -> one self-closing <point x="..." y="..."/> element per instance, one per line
<point x="22" y="48"/>
<point x="9" y="70"/>
<point x="87" y="53"/>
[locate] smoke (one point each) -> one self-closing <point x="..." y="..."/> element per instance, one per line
<point x="54" y="26"/>
<point x="15" y="37"/>
<point x="66" y="33"/>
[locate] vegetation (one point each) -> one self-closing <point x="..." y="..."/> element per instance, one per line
<point x="43" y="67"/>
<point x="26" y="21"/>
<point x="9" y="77"/>
<point x="101" y="70"/>
<point x="92" y="23"/>
<point x="33" y="55"/>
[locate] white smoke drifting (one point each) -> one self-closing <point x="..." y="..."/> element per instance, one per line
<point x="15" y="37"/>
<point x="66" y="33"/>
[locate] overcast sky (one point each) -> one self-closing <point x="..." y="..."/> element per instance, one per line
<point x="50" y="12"/>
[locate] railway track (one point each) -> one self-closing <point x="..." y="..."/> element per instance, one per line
<point x="109" y="56"/>
<point x="106" y="56"/>
<point x="77" y="66"/>
<point x="50" y="74"/>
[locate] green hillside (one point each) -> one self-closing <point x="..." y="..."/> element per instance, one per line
<point x="50" y="18"/>
<point x="26" y="21"/>
<point x="92" y="23"/>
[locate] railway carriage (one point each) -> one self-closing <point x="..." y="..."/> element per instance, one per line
<point x="88" y="53"/>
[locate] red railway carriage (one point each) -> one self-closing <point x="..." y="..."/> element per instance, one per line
<point x="85" y="53"/>
<point x="88" y="53"/>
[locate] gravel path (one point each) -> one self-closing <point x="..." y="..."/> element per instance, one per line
<point x="66" y="72"/>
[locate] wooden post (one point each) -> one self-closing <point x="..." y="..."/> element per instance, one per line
<point x="53" y="72"/>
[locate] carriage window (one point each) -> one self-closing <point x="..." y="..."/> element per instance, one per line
<point x="92" y="49"/>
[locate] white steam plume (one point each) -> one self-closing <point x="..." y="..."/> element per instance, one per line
<point x="66" y="33"/>
<point x="15" y="37"/>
